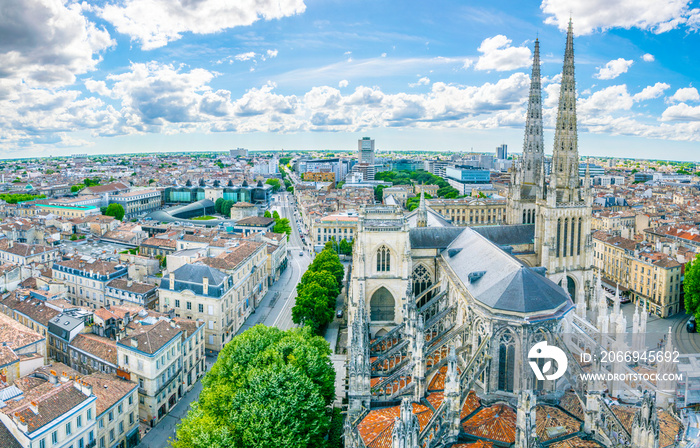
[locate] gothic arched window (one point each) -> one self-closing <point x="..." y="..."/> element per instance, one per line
<point x="421" y="280"/>
<point x="381" y="305"/>
<point x="383" y="259"/>
<point x="506" y="362"/>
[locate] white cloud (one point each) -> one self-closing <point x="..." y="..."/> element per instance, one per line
<point x="424" y="81"/>
<point x="99" y="87"/>
<point x="648" y="57"/>
<point x="499" y="55"/>
<point x="685" y="94"/>
<point x="467" y="63"/>
<point x="591" y="15"/>
<point x="272" y="53"/>
<point x="245" y="56"/>
<point x="154" y="23"/>
<point x="343" y="83"/>
<point x="681" y="112"/>
<point x="383" y="55"/>
<point x="46" y="43"/>
<point x="613" y="69"/>
<point x="651" y="92"/>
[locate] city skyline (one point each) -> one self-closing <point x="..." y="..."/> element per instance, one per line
<point x="132" y="76"/>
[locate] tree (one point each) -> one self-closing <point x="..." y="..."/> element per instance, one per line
<point x="267" y="214"/>
<point x="267" y="388"/>
<point x="226" y="207"/>
<point x="76" y="188"/>
<point x="329" y="261"/>
<point x="282" y="226"/>
<point x="311" y="308"/>
<point x="691" y="287"/>
<point x="115" y="210"/>
<point x="322" y="278"/>
<point x="218" y="204"/>
<point x="275" y="184"/>
<point x="378" y="193"/>
<point x="275" y="215"/>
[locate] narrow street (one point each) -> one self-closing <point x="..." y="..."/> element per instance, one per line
<point x="275" y="309"/>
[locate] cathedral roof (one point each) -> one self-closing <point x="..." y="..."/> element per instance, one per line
<point x="508" y="235"/>
<point x="433" y="237"/>
<point x="500" y="281"/>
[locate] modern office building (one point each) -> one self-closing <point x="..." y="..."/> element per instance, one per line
<point x="468" y="174"/>
<point x="502" y="152"/>
<point x="365" y="151"/>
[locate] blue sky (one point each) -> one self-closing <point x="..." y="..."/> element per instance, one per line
<point x="175" y="75"/>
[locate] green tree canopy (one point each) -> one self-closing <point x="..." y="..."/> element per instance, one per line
<point x="218" y="204"/>
<point x="268" y="388"/>
<point x="322" y="278"/>
<point x="267" y="214"/>
<point x="275" y="184"/>
<point x="282" y="226"/>
<point x="115" y="210"/>
<point x="691" y="287"/>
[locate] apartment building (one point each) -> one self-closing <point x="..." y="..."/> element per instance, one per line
<point x="87" y="280"/>
<point x="200" y="292"/>
<point x="621" y="222"/>
<point x="151" y="357"/>
<point x="122" y="291"/>
<point x="26" y="254"/>
<point x="193" y="364"/>
<point x="652" y="276"/>
<point x="21" y="349"/>
<point x="341" y="226"/>
<point x="138" y="202"/>
<point x="68" y="211"/>
<point x="117" y="410"/>
<point x="471" y="211"/>
<point x="56" y="412"/>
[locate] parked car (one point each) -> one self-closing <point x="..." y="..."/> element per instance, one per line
<point x="690" y="326"/>
<point x="301" y="254"/>
<point x="339" y="314"/>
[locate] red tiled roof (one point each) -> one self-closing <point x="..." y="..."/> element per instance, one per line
<point x="495" y="423"/>
<point x="375" y="429"/>
<point x="553" y="423"/>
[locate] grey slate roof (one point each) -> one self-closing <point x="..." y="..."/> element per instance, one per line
<point x="508" y="235"/>
<point x="435" y="219"/>
<point x="433" y="237"/>
<point x="506" y="284"/>
<point x="190" y="276"/>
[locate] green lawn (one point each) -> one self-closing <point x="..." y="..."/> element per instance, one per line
<point x="204" y="218"/>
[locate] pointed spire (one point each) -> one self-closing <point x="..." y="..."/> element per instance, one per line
<point x="533" y="145"/>
<point x="565" y="159"/>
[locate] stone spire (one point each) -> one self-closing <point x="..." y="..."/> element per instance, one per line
<point x="533" y="146"/>
<point x="565" y="159"/>
<point x="422" y="211"/>
<point x="359" y="362"/>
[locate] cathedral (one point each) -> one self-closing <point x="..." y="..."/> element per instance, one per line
<point x="448" y="326"/>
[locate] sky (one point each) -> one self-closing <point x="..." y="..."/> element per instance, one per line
<point x="125" y="76"/>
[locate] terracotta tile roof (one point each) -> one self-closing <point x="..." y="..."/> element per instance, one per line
<point x="477" y="444"/>
<point x="151" y="338"/>
<point x="16" y="335"/>
<point x="624" y="413"/>
<point x="131" y="286"/>
<point x="471" y="404"/>
<point x="576" y="442"/>
<point x="159" y="242"/>
<point x="51" y="404"/>
<point x="98" y="266"/>
<point x="109" y="389"/>
<point x="255" y="221"/>
<point x="35" y="309"/>
<point x="669" y="428"/>
<point x="24" y="250"/>
<point x="7" y="356"/>
<point x="495" y="423"/>
<point x="435" y="399"/>
<point x="100" y="347"/>
<point x="571" y="404"/>
<point x="375" y="429"/>
<point x="553" y="423"/>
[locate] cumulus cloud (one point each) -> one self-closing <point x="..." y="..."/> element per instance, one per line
<point x="648" y="57"/>
<point x="424" y="81"/>
<point x="46" y="43"/>
<point x="272" y="53"/>
<point x="613" y="69"/>
<point x="681" y="112"/>
<point x="245" y="56"/>
<point x="685" y="94"/>
<point x="500" y="56"/>
<point x="593" y="15"/>
<point x="154" y="23"/>
<point x="651" y="92"/>
<point x="343" y="83"/>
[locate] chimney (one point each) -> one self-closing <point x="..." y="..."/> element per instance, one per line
<point x="34" y="407"/>
<point x="171" y="277"/>
<point x="205" y="285"/>
<point x="134" y="343"/>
